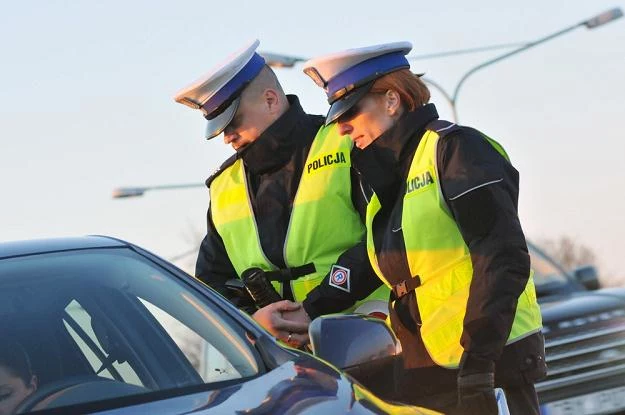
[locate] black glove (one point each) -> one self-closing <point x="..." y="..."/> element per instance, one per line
<point x="476" y="394"/>
<point x="239" y="296"/>
<point x="259" y="287"/>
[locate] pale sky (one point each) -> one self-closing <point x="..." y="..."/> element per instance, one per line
<point x="88" y="105"/>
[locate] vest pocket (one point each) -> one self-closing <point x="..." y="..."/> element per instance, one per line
<point x="527" y="318"/>
<point x="442" y="303"/>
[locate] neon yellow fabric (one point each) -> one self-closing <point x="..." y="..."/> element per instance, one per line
<point x="437" y="253"/>
<point x="323" y="222"/>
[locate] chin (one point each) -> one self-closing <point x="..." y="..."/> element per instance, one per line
<point x="363" y="144"/>
<point x="240" y="148"/>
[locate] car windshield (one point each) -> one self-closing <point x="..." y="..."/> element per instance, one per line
<point x="548" y="275"/>
<point x="104" y="323"/>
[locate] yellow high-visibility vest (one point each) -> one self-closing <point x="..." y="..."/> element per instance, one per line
<point x="323" y="222"/>
<point x="437" y="253"/>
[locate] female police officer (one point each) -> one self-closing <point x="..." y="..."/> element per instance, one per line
<point x="443" y="233"/>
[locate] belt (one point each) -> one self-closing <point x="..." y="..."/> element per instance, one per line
<point x="406" y="286"/>
<point x="290" y="274"/>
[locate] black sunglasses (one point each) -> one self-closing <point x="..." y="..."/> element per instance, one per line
<point x="356" y="109"/>
<point x="351" y="113"/>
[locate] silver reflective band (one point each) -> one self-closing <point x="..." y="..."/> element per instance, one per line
<point x="474" y="188"/>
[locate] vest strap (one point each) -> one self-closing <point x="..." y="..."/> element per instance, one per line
<point x="290" y="274"/>
<point x="406" y="286"/>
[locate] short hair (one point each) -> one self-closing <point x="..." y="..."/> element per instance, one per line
<point x="15" y="360"/>
<point x="266" y="78"/>
<point x="411" y="89"/>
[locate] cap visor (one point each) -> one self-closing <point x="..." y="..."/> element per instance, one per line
<point x="218" y="124"/>
<point x="341" y="106"/>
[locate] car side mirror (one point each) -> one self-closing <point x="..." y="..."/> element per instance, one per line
<point x="364" y="347"/>
<point x="349" y="340"/>
<point x="587" y="276"/>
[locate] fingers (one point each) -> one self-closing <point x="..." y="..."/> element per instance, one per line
<point x="290" y="326"/>
<point x="265" y="317"/>
<point x="299" y="339"/>
<point x="295" y="339"/>
<point x="286" y="305"/>
<point x="272" y="319"/>
<point x="293" y="321"/>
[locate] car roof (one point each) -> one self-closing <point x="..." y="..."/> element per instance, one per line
<point x="40" y="246"/>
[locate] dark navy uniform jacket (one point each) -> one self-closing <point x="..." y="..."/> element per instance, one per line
<point x="274" y="165"/>
<point x="488" y="221"/>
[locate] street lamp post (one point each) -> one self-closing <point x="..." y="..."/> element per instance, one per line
<point x="591" y="23"/>
<point x="277" y="60"/>
<point x="122" y="192"/>
<point x="138" y="191"/>
<point x="285" y="61"/>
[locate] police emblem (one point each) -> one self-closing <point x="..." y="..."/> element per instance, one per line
<point x="339" y="278"/>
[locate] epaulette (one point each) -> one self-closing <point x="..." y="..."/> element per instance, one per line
<point x="442" y="127"/>
<point x="229" y="162"/>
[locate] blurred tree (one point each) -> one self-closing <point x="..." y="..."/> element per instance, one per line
<point x="187" y="258"/>
<point x="568" y="252"/>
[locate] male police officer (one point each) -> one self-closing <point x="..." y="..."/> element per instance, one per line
<point x="287" y="202"/>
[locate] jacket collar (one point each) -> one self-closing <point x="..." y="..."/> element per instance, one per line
<point x="275" y="146"/>
<point x="385" y="161"/>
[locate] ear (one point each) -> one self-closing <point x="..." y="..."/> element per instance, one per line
<point x="271" y="100"/>
<point x="393" y="102"/>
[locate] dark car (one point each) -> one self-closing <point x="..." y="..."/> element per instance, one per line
<point x="584" y="329"/>
<point x="108" y="327"/>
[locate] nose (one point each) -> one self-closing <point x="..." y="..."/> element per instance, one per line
<point x="229" y="136"/>
<point x="345" y="128"/>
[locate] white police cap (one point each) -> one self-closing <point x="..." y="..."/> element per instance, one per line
<point x="217" y="93"/>
<point x="347" y="76"/>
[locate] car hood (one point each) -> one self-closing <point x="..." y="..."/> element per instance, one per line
<point x="582" y="304"/>
<point x="304" y="385"/>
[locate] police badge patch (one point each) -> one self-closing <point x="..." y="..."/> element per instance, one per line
<point x="339" y="278"/>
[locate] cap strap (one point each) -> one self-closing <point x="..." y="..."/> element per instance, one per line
<point x="234" y="86"/>
<point x="364" y="72"/>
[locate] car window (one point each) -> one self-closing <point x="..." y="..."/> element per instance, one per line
<point x="212" y="365"/>
<point x="546" y="271"/>
<point x="78" y="323"/>
<point x="114" y="318"/>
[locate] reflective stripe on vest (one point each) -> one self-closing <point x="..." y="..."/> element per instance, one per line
<point x="323" y="222"/>
<point x="437" y="253"/>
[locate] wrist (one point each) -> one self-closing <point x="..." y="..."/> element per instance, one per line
<point x="471" y="364"/>
<point x="477" y="381"/>
<point x="309" y="309"/>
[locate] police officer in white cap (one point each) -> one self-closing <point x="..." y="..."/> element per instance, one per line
<point x="285" y="206"/>
<point x="443" y="233"/>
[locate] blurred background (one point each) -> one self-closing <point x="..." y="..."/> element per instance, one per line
<point x="87" y="108"/>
